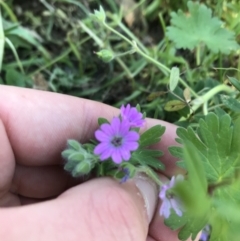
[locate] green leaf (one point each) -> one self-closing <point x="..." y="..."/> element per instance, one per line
<point x="231" y="103"/>
<point x="75" y="145"/>
<point x="174" y="105"/>
<point x="76" y="157"/>
<point x="69" y="166"/>
<point x="199" y="27"/>
<point x="226" y="216"/>
<point x="175" y="222"/>
<point x="22" y="34"/>
<point x="2" y="36"/>
<point x="82" y="168"/>
<point x="102" y="121"/>
<point x="212" y="153"/>
<point x="67" y="153"/>
<point x="151" y="136"/>
<point x="174" y="78"/>
<point x="138" y="107"/>
<point x="234" y="82"/>
<point x="148" y="157"/>
<point x="217" y="143"/>
<point x="16" y="78"/>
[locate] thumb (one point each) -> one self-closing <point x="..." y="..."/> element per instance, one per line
<point x="114" y="211"/>
<point x="101" y="209"/>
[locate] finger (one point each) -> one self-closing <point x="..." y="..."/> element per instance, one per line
<point x="41" y="182"/>
<point x="39" y="123"/>
<point x="7" y="162"/>
<point x="26" y="201"/>
<point x="100" y="210"/>
<point x="10" y="200"/>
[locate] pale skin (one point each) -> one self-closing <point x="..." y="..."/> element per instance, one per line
<point x="44" y="202"/>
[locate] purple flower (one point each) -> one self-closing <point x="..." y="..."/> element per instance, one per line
<point x="205" y="233"/>
<point x="168" y="199"/>
<point x="126" y="176"/>
<point x="116" y="141"/>
<point x="132" y="115"/>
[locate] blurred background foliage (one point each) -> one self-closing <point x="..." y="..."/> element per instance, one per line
<point x="51" y="44"/>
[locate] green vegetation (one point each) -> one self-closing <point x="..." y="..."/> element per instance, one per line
<point x="57" y="46"/>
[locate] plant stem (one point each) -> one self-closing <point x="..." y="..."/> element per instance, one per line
<point x="206" y="97"/>
<point x="162" y="67"/>
<point x="198" y="55"/>
<point x="117" y="33"/>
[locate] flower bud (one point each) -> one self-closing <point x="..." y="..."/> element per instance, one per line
<point x="105" y="55"/>
<point x="100" y="14"/>
<point x="82" y="168"/>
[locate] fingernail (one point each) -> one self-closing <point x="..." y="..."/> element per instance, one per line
<point x="149" y="192"/>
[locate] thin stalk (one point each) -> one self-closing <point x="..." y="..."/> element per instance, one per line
<point x="91" y="34"/>
<point x="117" y="33"/>
<point x="198" y="55"/>
<point x="162" y="67"/>
<point x="206" y="97"/>
<point x="10" y="44"/>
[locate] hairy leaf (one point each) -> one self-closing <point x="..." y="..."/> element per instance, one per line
<point x="147" y="157"/>
<point x="151" y="136"/>
<point x="217" y="143"/>
<point x="199" y="27"/>
<point x="216" y="146"/>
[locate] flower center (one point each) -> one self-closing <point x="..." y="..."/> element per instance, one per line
<point x="117" y="141"/>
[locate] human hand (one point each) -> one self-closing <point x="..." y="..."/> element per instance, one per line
<point x="34" y="128"/>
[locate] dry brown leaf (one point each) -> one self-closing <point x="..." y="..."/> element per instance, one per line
<point x="39" y="82"/>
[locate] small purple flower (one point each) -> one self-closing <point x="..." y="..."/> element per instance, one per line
<point x="168" y="199"/>
<point x="205" y="233"/>
<point x="132" y="115"/>
<point x="116" y="141"/>
<point x="126" y="176"/>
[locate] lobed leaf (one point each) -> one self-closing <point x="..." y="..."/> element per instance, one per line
<point x="199" y="27"/>
<point x="217" y="143"/>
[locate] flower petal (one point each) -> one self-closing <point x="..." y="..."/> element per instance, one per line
<point x="176" y="206"/>
<point x="165" y="208"/>
<point x="163" y="191"/>
<point x="115" y="125"/>
<point x="106" y="154"/>
<point x="125" y="154"/>
<point x="124" y="128"/>
<point x="131" y="146"/>
<point x="101" y="136"/>
<point x="132" y="136"/>
<point x="100" y="148"/>
<point x="106" y="128"/>
<point x="116" y="156"/>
